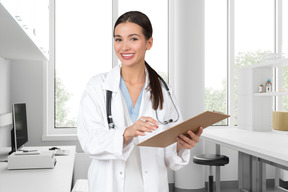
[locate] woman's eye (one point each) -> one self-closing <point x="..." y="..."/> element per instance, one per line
<point x="134" y="39"/>
<point x="117" y="39"/>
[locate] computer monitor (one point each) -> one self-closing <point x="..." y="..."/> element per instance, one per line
<point x="19" y="133"/>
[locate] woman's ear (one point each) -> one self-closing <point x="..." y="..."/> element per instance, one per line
<point x="149" y="43"/>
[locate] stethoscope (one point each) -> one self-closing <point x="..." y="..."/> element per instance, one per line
<point x="109" y="113"/>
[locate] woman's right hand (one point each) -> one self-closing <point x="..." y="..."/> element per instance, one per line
<point x="140" y="127"/>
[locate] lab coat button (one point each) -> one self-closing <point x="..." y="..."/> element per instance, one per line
<point x="146" y="172"/>
<point x="120" y="172"/>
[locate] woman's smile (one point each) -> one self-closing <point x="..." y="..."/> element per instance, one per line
<point x="127" y="56"/>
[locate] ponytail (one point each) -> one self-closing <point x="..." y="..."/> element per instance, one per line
<point x="155" y="88"/>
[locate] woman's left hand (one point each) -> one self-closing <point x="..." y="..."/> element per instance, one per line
<point x="188" y="141"/>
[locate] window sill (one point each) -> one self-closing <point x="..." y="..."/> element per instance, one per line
<point x="60" y="137"/>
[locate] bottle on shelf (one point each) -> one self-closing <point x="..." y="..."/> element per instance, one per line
<point x="261" y="88"/>
<point x="268" y="86"/>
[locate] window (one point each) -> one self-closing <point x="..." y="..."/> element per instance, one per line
<point x="238" y="33"/>
<point x="83" y="37"/>
<point x="81" y="46"/>
<point x="284" y="24"/>
<point x="254" y="34"/>
<point x="283" y="48"/>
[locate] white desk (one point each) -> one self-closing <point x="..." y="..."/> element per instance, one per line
<point x="58" y="179"/>
<point x="262" y="147"/>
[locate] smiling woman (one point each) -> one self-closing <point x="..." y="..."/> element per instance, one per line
<point x="114" y="147"/>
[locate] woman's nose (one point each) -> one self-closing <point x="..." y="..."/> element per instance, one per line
<point x="126" y="46"/>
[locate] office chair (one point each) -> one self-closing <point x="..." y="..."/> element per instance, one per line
<point x="211" y="160"/>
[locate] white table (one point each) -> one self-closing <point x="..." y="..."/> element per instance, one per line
<point x="261" y="147"/>
<point x="58" y="179"/>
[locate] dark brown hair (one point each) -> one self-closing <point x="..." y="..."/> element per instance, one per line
<point x="154" y="85"/>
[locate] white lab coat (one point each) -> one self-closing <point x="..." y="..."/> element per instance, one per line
<point x="105" y="147"/>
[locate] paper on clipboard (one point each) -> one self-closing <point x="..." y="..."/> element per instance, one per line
<point x="168" y="136"/>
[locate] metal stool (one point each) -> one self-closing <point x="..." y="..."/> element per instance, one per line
<point x="211" y="160"/>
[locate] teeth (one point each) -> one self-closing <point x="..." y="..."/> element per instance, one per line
<point x="127" y="55"/>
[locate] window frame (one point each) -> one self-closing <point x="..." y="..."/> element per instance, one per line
<point x="49" y="130"/>
<point x="229" y="68"/>
<point x="230" y="63"/>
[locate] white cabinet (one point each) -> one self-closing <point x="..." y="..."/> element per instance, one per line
<point x="24" y="33"/>
<point x="41" y="24"/>
<point x="254" y="108"/>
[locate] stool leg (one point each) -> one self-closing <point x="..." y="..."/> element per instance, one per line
<point x="210" y="183"/>
<point x="217" y="178"/>
<point x="211" y="180"/>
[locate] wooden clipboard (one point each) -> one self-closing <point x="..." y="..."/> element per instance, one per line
<point x="169" y="136"/>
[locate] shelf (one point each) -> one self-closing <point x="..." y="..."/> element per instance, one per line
<point x="281" y="62"/>
<point x="15" y="42"/>
<point x="284" y="93"/>
<point x="280" y="132"/>
<point x="254" y="108"/>
<point x="272" y="63"/>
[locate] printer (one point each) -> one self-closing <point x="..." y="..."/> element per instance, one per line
<point x="32" y="160"/>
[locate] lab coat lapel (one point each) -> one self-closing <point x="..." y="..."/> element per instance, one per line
<point x="113" y="79"/>
<point x="120" y="115"/>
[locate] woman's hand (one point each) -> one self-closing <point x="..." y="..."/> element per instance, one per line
<point x="188" y="141"/>
<point x="140" y="127"/>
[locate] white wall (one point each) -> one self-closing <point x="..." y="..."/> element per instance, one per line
<point x="27" y="85"/>
<point x="5" y="103"/>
